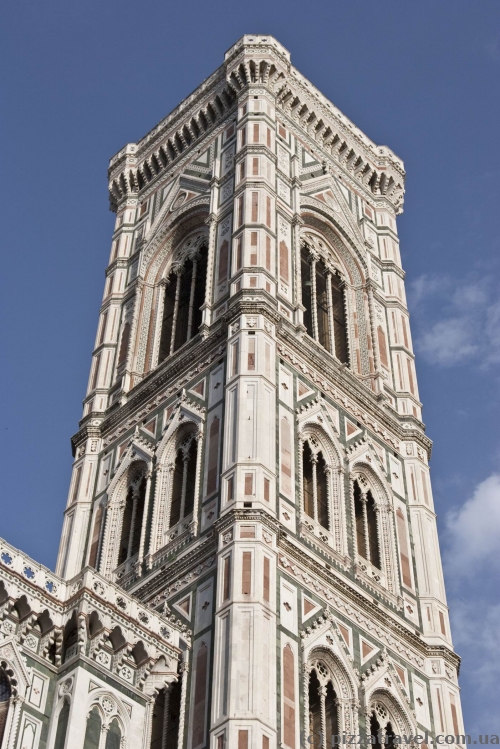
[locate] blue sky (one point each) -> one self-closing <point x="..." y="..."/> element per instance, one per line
<point x="79" y="80"/>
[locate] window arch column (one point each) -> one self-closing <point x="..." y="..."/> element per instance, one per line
<point x="313" y="259"/>
<point x="331" y="330"/>
<point x="192" y="296"/>
<point x="145" y="514"/>
<point x="155" y="353"/>
<point x="178" y="274"/>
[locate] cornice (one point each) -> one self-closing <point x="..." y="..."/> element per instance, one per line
<point x="366" y="609"/>
<point x="257" y="62"/>
<point x="304" y="350"/>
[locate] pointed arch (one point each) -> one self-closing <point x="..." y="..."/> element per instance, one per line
<point x="174" y="266"/>
<point x="321" y="485"/>
<point x="388" y="714"/>
<point x="373" y="524"/>
<point x="126" y="512"/>
<point x="340" y="250"/>
<point x="335" y="705"/>
<point x="177" y="489"/>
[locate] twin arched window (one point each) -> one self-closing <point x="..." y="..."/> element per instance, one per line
<point x="323" y="301"/>
<point x="184" y="297"/>
<point x="166" y="715"/>
<point x="365" y="511"/>
<point x="132" y="518"/>
<point x="315" y="486"/>
<point x="5" y="696"/>
<point x="183" y="481"/>
<point x="323" y="709"/>
<point x="93" y="732"/>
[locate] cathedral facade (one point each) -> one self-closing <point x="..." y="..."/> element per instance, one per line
<point x="249" y="556"/>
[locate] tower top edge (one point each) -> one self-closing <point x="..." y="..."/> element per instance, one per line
<point x="257" y="43"/>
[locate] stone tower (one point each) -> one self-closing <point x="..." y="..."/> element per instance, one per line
<point x="249" y="557"/>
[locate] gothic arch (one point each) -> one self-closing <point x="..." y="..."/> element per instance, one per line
<point x="183" y="434"/>
<point x="169" y="247"/>
<point x="387" y="708"/>
<point x="329" y="668"/>
<point x="368" y="486"/>
<point x="342" y="251"/>
<point x="325" y="475"/>
<point x="135" y="467"/>
<point x="346" y="244"/>
<point x="109" y="708"/>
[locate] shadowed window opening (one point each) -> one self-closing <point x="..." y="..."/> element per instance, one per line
<point x="366" y="526"/>
<point x="132" y="520"/>
<point x="184" y="298"/>
<point x="184" y="482"/>
<point x="315" y="486"/>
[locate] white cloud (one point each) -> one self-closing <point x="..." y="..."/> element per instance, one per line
<point x="473" y="531"/>
<point x="448" y="342"/>
<point x="468" y="324"/>
<point x="472" y="542"/>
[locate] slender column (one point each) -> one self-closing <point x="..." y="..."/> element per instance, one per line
<point x="297" y="222"/>
<point x="301" y="478"/>
<point x="146" y="737"/>
<point x="178" y="273"/>
<point x="199" y="440"/>
<point x="191" y="298"/>
<point x="135" y="497"/>
<point x="185" y="466"/>
<point x="103" y="736"/>
<point x="182" y="711"/>
<point x="314" y="310"/>
<point x="348" y="325"/>
<point x="322" y="698"/>
<point x="364" y="502"/>
<point x="389" y="543"/>
<point x="371" y="309"/>
<point x="158" y="323"/>
<point x="314" y="461"/>
<point x="144" y="520"/>
<point x="166" y="717"/>
<point x="329" y="300"/>
<point x="331" y="527"/>
<point x="305" y="686"/>
<point x="171" y="469"/>
<point x="11" y="730"/>
<point x="207" y="303"/>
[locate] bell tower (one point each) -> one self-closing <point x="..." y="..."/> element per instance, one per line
<point x="251" y="467"/>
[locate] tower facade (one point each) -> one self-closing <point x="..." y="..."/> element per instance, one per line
<point x="249" y="556"/>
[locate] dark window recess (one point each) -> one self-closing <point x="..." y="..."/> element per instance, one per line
<point x="183" y="484"/>
<point x="184" y="297"/>
<point x="324" y="320"/>
<point x="366" y="526"/>
<point x="132" y="520"/>
<point x="315" y="486"/>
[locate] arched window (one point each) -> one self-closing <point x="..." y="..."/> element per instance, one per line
<point x="184" y="297"/>
<point x="381" y="729"/>
<point x="5" y="695"/>
<point x="166" y="714"/>
<point x="322" y="707"/>
<point x="200" y="694"/>
<point x="122" y="356"/>
<point x="184" y="481"/>
<point x="62" y="726"/>
<point x="366" y="525"/>
<point x="315" y="481"/>
<point x="132" y="519"/>
<point x="323" y="301"/>
<point x="93" y="730"/>
<point x="288" y="697"/>
<point x="113" y="736"/>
